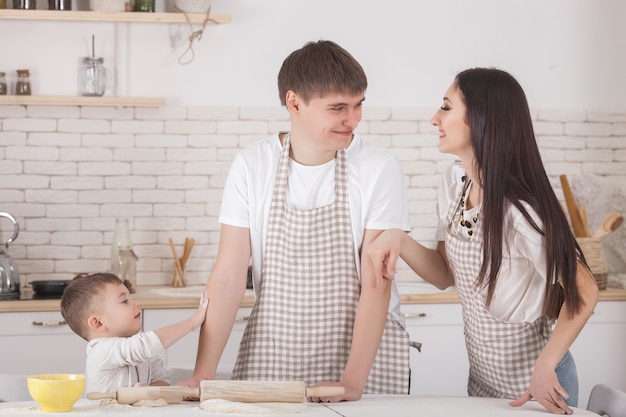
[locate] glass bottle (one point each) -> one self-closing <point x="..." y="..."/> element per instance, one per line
<point x="3" y="84"/>
<point x="22" y="86"/>
<point x="123" y="258"/>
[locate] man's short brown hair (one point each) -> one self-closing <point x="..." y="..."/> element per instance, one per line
<point x="319" y="68"/>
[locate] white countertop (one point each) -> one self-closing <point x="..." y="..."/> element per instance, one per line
<point x="368" y="406"/>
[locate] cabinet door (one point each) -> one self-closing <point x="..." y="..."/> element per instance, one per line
<point x="38" y="343"/>
<point x="599" y="349"/>
<point x="442" y="367"/>
<point x="183" y="353"/>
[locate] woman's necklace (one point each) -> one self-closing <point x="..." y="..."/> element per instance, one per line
<point x="468" y="226"/>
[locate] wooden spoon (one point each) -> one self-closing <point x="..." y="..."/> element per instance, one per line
<point x="612" y="221"/>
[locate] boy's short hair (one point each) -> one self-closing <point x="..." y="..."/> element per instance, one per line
<point x="78" y="298"/>
<point x="319" y="68"/>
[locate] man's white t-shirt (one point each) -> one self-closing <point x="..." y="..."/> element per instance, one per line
<point x="376" y="190"/>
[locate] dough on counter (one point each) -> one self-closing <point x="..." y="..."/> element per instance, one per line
<point x="150" y="403"/>
<point x="231" y="407"/>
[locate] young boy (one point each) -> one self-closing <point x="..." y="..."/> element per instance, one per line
<point x="99" y="309"/>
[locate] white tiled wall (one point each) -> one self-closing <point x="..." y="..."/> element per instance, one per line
<point x="67" y="172"/>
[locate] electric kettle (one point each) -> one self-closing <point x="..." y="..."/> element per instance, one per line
<point x="9" y="276"/>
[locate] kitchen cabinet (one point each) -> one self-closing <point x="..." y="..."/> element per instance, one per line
<point x="91" y="16"/>
<point x="39" y="342"/>
<point x="183" y="353"/>
<point x="442" y="367"/>
<point x="600" y="349"/>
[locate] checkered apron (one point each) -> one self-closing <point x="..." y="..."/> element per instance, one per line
<point x="501" y="355"/>
<point x="301" y="325"/>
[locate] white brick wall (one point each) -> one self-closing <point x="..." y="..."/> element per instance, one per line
<point x="67" y="172"/>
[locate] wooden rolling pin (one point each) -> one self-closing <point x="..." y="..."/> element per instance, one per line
<point x="238" y="391"/>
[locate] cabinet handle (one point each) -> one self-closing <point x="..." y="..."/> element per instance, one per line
<point x="414" y="315"/>
<point x="53" y="323"/>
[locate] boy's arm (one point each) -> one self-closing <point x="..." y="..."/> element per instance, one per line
<point x="173" y="333"/>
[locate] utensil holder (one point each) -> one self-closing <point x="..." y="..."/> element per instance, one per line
<point x="592" y="249"/>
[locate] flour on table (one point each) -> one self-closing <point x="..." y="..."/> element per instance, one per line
<point x="231" y="407"/>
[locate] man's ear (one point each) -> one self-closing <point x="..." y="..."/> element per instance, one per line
<point x="292" y="101"/>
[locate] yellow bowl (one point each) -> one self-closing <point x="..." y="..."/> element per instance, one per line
<point x="56" y="392"/>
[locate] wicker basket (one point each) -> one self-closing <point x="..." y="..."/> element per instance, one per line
<point x="592" y="249"/>
<point x="107" y="5"/>
<point x="193" y="6"/>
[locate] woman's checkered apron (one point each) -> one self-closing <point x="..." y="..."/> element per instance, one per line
<point x="501" y="355"/>
<point x="301" y="325"/>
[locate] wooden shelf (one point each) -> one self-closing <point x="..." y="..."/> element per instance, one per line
<point x="104" y="101"/>
<point x="130" y="17"/>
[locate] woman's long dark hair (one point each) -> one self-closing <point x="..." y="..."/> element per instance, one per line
<point x="510" y="170"/>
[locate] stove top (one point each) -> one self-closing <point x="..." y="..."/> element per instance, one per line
<point x="28" y="294"/>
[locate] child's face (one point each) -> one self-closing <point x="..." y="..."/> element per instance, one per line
<point x="118" y="312"/>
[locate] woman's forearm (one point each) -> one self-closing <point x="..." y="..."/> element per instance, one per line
<point x="568" y="326"/>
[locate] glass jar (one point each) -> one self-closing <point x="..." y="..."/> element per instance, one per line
<point x="123" y="258"/>
<point x="92" y="77"/>
<point x="22" y="86"/>
<point x="59" y="4"/>
<point x="25" y="4"/>
<point x="144" y="6"/>
<point x="3" y="84"/>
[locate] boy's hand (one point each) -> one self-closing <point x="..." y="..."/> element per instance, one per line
<point x="198" y="317"/>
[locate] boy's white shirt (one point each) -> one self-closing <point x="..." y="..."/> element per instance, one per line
<point x="114" y="362"/>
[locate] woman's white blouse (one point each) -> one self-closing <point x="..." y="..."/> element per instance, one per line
<point x="520" y="291"/>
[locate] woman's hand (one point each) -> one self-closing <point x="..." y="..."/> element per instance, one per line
<point x="546" y="389"/>
<point x="384" y="252"/>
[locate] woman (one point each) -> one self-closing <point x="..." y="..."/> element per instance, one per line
<point x="504" y="242"/>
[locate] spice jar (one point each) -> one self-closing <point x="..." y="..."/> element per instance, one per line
<point x="3" y="84"/>
<point x="22" y="86"/>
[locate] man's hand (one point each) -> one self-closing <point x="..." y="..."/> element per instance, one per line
<point x="351" y="394"/>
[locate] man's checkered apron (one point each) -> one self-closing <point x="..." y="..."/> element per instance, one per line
<point x="301" y="325"/>
<point x="501" y="355"/>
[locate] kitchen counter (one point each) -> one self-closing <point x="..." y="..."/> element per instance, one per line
<point x="153" y="297"/>
<point x="368" y="406"/>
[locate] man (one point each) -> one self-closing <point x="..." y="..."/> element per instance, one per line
<point x="303" y="205"/>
